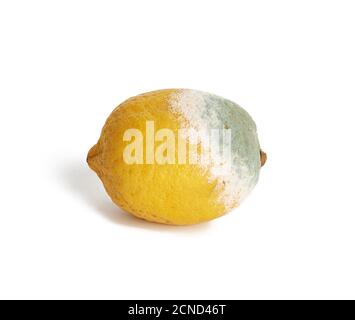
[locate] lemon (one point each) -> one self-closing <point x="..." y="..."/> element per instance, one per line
<point x="177" y="156"/>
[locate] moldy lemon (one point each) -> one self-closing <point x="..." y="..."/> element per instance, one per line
<point x="178" y="156"/>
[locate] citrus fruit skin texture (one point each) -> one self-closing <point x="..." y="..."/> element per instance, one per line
<point x="178" y="193"/>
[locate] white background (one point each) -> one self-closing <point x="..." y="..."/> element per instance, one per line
<point x="64" y="65"/>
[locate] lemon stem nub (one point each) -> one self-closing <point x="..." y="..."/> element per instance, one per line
<point x="263" y="157"/>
